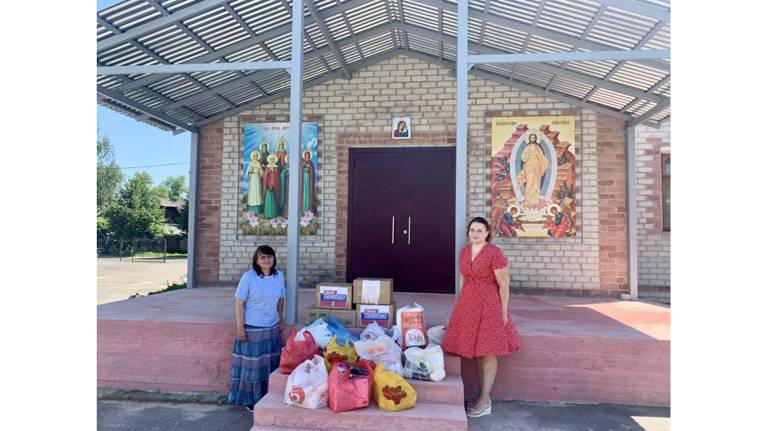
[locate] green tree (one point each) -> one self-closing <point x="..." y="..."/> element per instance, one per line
<point x="177" y="187"/>
<point x="136" y="211"/>
<point x="184" y="217"/>
<point x="108" y="173"/>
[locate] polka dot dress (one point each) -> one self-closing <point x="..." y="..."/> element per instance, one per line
<point x="476" y="327"/>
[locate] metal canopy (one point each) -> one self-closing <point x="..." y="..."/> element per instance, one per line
<point x="343" y="36"/>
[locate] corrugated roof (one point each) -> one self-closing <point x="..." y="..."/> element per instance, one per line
<point x="353" y="34"/>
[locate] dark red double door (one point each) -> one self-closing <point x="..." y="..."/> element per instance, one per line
<point x="401" y="217"/>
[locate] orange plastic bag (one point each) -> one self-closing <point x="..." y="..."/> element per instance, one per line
<point x="350" y="386"/>
<point x="298" y="348"/>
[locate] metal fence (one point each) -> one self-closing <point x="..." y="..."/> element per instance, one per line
<point x="140" y="249"/>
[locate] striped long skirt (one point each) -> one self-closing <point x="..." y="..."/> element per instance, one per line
<point x="252" y="362"/>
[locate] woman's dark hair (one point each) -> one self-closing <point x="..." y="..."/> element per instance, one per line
<point x="483" y="222"/>
<point x="268" y="251"/>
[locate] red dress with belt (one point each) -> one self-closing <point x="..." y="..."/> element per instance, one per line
<point x="476" y="327"/>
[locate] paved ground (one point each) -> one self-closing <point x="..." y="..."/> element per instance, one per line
<point x="117" y="280"/>
<point x="114" y="415"/>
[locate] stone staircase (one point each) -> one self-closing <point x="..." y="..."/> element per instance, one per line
<point x="439" y="405"/>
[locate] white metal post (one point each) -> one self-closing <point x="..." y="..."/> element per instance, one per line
<point x="631" y="213"/>
<point x="462" y="68"/>
<point x="294" y="144"/>
<point x="192" y="214"/>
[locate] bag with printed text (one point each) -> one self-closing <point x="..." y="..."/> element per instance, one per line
<point x="410" y="321"/>
<point x="425" y="364"/>
<point x="307" y="386"/>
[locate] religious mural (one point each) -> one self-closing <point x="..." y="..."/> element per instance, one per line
<point x="533" y="177"/>
<point x="264" y="202"/>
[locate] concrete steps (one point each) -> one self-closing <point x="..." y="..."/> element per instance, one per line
<point x="272" y="412"/>
<point x="439" y="405"/>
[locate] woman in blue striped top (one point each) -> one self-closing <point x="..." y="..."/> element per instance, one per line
<point x="259" y="300"/>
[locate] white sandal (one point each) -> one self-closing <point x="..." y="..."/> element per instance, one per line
<point x="473" y="413"/>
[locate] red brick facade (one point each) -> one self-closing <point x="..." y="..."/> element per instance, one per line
<point x="612" y="203"/>
<point x="208" y="205"/>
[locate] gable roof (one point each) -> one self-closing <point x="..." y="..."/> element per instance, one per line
<point x="342" y="36"/>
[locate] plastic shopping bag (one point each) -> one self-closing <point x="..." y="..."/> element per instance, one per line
<point x="372" y="332"/>
<point x="384" y="350"/>
<point x="350" y="386"/>
<point x="410" y="321"/>
<point x="299" y="347"/>
<point x="338" y="352"/>
<point x="307" y="386"/>
<point x="320" y="333"/>
<point x="436" y="334"/>
<point x="392" y="392"/>
<point x="340" y="331"/>
<point x="425" y="364"/>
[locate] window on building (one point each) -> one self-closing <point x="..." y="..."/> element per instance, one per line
<point x="666" y="201"/>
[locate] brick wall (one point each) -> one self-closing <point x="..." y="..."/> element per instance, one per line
<point x="612" y="198"/>
<point x="426" y="92"/>
<point x="653" y="242"/>
<point x="207" y="241"/>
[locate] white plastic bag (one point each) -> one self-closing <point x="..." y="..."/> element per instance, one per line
<point x="372" y="332"/>
<point x="384" y="350"/>
<point x="307" y="385"/>
<point x="320" y="332"/>
<point x="425" y="364"/>
<point x="436" y="334"/>
<point x="410" y="321"/>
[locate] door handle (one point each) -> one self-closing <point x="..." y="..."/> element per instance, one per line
<point x="393" y="230"/>
<point x="409" y="231"/>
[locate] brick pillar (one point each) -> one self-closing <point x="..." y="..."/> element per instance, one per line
<point x="209" y="204"/>
<point x="612" y="203"/>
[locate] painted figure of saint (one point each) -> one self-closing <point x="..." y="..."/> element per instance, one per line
<point x="307" y="183"/>
<point x="510" y="223"/>
<point x="281" y="154"/>
<point x="263" y="153"/>
<point x="255" y="175"/>
<point x="284" y="177"/>
<point x="535" y="164"/>
<point x="271" y="188"/>
<point x="559" y="224"/>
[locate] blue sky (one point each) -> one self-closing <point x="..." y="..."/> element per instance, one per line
<point x="138" y="144"/>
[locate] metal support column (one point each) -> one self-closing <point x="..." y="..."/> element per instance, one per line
<point x="194" y="153"/>
<point x="631" y="212"/>
<point x="462" y="69"/>
<point x="294" y="144"/>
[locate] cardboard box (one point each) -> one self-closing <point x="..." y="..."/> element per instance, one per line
<point x="333" y="295"/>
<point x="384" y="314"/>
<point x="377" y="291"/>
<point x="347" y="317"/>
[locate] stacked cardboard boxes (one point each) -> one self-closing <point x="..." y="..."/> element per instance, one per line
<point x="331" y="299"/>
<point x="374" y="301"/>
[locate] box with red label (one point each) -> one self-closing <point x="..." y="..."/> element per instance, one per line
<point x="373" y="291"/>
<point x="337" y="296"/>
<point x="384" y="315"/>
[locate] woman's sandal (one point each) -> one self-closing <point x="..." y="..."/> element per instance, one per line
<point x="474" y="412"/>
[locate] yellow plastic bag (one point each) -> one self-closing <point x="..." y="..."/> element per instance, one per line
<point x="339" y="352"/>
<point x="391" y="392"/>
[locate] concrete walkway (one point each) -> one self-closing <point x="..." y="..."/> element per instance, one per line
<point x="119" y="279"/>
<point x="518" y="416"/>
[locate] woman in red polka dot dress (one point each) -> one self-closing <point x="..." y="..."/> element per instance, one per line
<point x="481" y="325"/>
